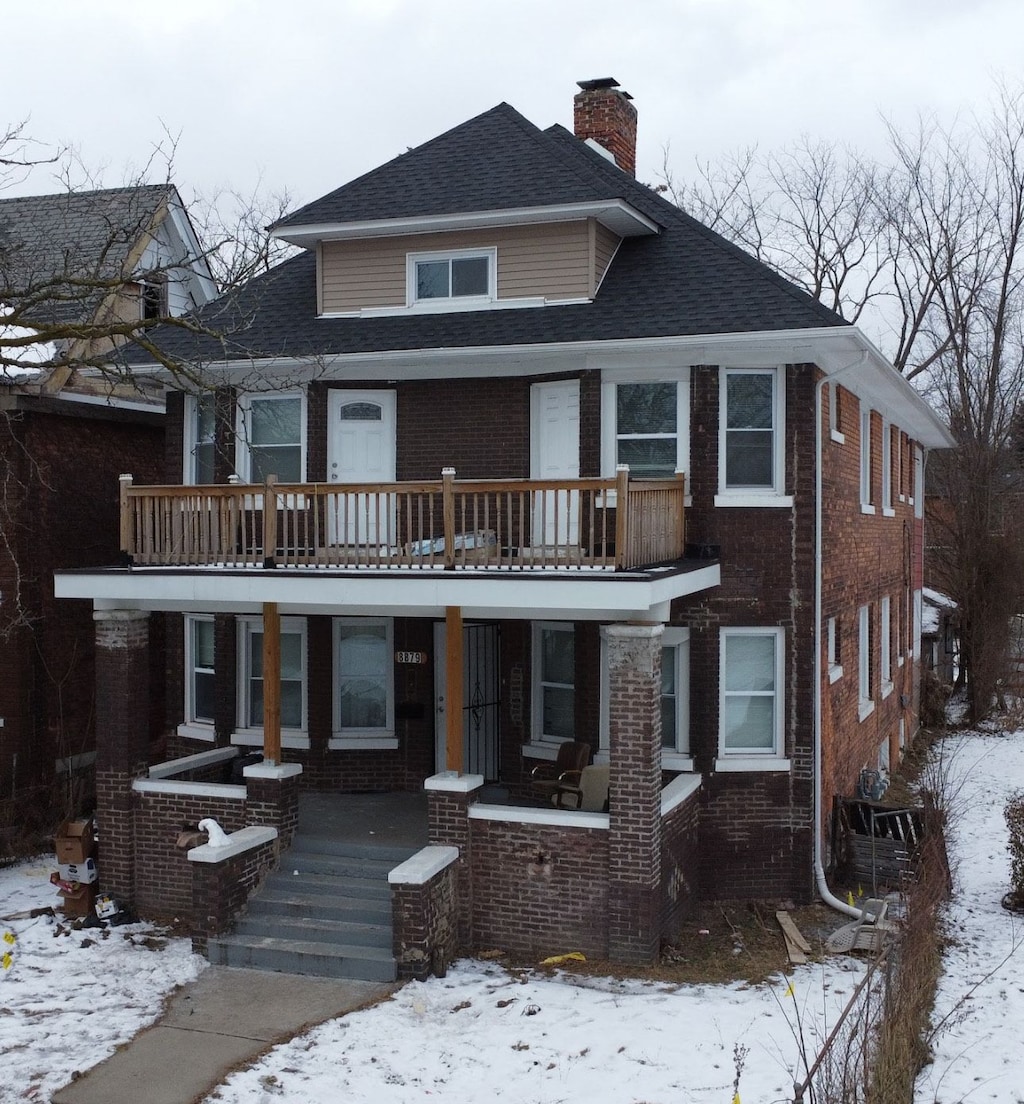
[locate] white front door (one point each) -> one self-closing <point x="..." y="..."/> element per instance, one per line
<point x="556" y="455"/>
<point x="361" y="449"/>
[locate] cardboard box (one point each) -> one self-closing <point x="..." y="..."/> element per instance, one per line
<point x="78" y="902"/>
<point x="74" y="842"/>
<point x="84" y="872"/>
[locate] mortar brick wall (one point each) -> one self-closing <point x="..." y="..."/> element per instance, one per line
<point x="220" y="891"/>
<point x="680" y="866"/>
<point x="425" y="924"/>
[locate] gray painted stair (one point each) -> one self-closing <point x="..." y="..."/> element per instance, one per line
<point x="326" y="912"/>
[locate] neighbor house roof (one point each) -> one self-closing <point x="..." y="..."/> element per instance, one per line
<point x="682" y="280"/>
<point x="82" y="235"/>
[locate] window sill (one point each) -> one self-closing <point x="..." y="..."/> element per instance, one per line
<point x="899" y="661"/>
<point x="540" y="751"/>
<point x="196" y="730"/>
<point x="383" y="742"/>
<point x="887" y="688"/>
<point x="737" y="764"/>
<point x="865" y="709"/>
<point x="753" y="500"/>
<point x="253" y="737"/>
<point x="839" y="438"/>
<point x="888" y="511"/>
<point x="676" y="761"/>
<point x="834" y="674"/>
<point x="866" y="508"/>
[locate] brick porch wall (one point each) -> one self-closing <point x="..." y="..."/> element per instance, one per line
<point x="680" y="866"/>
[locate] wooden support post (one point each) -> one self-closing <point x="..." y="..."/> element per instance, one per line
<point x="448" y="518"/>
<point x="270" y="521"/>
<point x="127" y="541"/>
<point x="271" y="683"/>
<point x="680" y="518"/>
<point x="621" y="516"/>
<point x="453" y="674"/>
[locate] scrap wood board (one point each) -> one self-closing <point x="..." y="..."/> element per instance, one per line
<point x="796" y="946"/>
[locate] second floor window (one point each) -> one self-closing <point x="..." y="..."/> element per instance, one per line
<point x="751" y="455"/>
<point x="271" y="437"/>
<point x="201" y="438"/>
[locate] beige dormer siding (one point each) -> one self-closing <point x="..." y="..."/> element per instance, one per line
<point x="551" y="260"/>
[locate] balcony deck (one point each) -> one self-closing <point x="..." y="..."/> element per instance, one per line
<point x="523" y="525"/>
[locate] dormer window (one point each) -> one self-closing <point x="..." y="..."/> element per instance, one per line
<point x="457" y="277"/>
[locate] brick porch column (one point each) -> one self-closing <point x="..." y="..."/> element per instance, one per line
<point x="634" y="838"/>
<point x="272" y="797"/>
<point x="122" y="740"/>
<point x="449" y="797"/>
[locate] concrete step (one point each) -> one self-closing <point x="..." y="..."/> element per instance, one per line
<point x="324" y="845"/>
<point x="285" y="901"/>
<point x="314" y="929"/>
<point x="327" y="885"/>
<point x="343" y="866"/>
<point x="295" y="956"/>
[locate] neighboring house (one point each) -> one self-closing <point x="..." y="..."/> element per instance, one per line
<point x="939" y="645"/>
<point x="452" y="378"/>
<point x="69" y="262"/>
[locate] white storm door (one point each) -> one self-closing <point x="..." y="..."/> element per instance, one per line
<point x="361" y="449"/>
<point x="556" y="455"/>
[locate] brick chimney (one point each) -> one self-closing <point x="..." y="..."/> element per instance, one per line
<point x="603" y="112"/>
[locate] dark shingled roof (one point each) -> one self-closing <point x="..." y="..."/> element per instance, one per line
<point x="86" y="236"/>
<point x="683" y="280"/>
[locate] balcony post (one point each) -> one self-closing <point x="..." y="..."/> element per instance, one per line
<point x="127" y="549"/>
<point x="448" y="518"/>
<point x="271" y="683"/>
<point x="269" y="521"/>
<point x="680" y="512"/>
<point x="621" y="516"/>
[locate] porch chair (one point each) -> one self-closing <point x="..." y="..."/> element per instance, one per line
<point x="547" y="778"/>
<point x="590" y="796"/>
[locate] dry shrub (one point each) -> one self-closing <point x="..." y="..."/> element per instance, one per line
<point x="1014" y="814"/>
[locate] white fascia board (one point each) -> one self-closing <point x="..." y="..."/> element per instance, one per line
<point x="198" y="265"/>
<point x="616" y="214"/>
<point x="606" y="598"/>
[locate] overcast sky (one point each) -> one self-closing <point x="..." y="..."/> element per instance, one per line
<point x="304" y="95"/>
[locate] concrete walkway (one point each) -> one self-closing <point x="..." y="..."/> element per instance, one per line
<point x="223" y="1020"/>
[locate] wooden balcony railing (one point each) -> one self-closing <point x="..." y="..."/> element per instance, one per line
<point x="517" y="523"/>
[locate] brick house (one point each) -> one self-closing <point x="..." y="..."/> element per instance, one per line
<point x="71" y="259"/>
<point x="548" y="460"/>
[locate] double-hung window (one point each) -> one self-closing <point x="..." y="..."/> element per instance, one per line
<point x="292" y="681"/>
<point x="751" y="445"/>
<point x="364" y="700"/>
<point x="272" y="436"/>
<point x="885" y="645"/>
<point x="833" y="644"/>
<point x="887" y="507"/>
<point x="455" y="277"/>
<point x="199" y="677"/>
<point x="751" y="699"/>
<point x="645" y="424"/>
<point x="866" y="468"/>
<point x="865" y="691"/>
<point x="200" y="437"/>
<point x="554" y="682"/>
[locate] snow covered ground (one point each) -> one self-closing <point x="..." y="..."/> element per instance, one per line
<point x="67" y="999"/>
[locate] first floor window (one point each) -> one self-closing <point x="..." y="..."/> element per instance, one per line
<point x="865" y="688"/>
<point x="363" y="677"/>
<point x="885" y="643"/>
<point x="554" y="681"/>
<point x="293" y="673"/>
<point x="199" y="665"/>
<point x="751" y="694"/>
<point x="271" y="437"/>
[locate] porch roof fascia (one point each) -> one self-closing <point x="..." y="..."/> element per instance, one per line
<point x="632" y="596"/>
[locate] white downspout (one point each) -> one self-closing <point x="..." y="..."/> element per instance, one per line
<point x="825" y="893"/>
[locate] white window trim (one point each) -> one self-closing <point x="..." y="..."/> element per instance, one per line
<point x="755" y="496"/>
<point x="609" y="420"/>
<point x="917" y="501"/>
<point x="901" y="494"/>
<point x="451" y="302"/>
<point x="865" y="703"/>
<point x="918" y="615"/>
<point x="885" y="646"/>
<point x="191" y="438"/>
<point x="252" y="735"/>
<point x="835" y="670"/>
<point x="537" y="738"/>
<point x="833" y="415"/>
<point x="190" y="727"/>
<point x="678" y="757"/>
<point x="242" y="455"/>
<point x="377" y="739"/>
<point x="866" y="467"/>
<point x="747" y="759"/>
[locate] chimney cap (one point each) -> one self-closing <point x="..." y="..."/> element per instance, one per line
<point x="599" y="83"/>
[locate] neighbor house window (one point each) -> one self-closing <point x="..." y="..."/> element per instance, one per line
<point x="864" y="687"/>
<point x="457" y="275"/>
<point x="153" y="297"/>
<point x="364" y="702"/>
<point x="293" y="673"/>
<point x="645" y="425"/>
<point x="750" y="703"/>
<point x="674" y="698"/>
<point x="866" y="474"/>
<point x="554" y="681"/>
<point x="200" y="437"/>
<point x="199" y="671"/>
<point x="751" y="444"/>
<point x="272" y="437"/>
